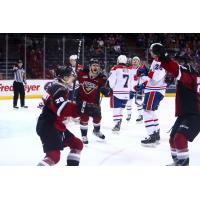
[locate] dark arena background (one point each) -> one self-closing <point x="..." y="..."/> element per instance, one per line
<point x="42" y="52"/>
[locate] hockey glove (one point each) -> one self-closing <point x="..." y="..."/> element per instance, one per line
<point x="40" y="105"/>
<point x="143" y="71"/>
<point x="132" y="94"/>
<point x="105" y="91"/>
<point x="169" y="79"/>
<point x="139" y="87"/>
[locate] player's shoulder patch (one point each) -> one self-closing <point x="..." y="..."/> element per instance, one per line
<point x="48" y="84"/>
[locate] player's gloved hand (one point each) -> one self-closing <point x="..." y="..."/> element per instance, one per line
<point x="143" y="71"/>
<point x="169" y="79"/>
<point x="105" y="91"/>
<point x="157" y="49"/>
<point x="40" y="105"/>
<point x="132" y="94"/>
<point x="139" y="87"/>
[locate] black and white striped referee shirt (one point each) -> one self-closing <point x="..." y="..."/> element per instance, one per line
<point x="19" y="75"/>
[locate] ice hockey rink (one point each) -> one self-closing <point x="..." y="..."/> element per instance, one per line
<point x="21" y="146"/>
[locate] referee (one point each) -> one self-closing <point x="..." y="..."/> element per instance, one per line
<point x="18" y="85"/>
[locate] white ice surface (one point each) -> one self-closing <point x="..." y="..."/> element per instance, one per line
<point x="20" y="145"/>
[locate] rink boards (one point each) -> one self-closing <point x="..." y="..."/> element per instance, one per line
<point x="35" y="89"/>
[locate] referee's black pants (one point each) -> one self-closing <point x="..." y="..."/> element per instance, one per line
<point x="18" y="89"/>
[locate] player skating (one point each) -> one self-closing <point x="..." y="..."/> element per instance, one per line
<point x="121" y="82"/>
<point x="135" y="64"/>
<point x="154" y="85"/>
<point x="92" y="82"/>
<point x="50" y="127"/>
<point x="73" y="87"/>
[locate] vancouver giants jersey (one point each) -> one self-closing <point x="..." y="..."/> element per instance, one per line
<point x="121" y="81"/>
<point x="187" y="88"/>
<point x="70" y="87"/>
<point x="89" y="89"/>
<point x="56" y="105"/>
<point x="155" y="79"/>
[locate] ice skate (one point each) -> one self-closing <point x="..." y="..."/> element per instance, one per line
<point x="99" y="134"/>
<point x="139" y="119"/>
<point x="116" y="129"/>
<point x="150" y="141"/>
<point x="182" y="162"/>
<point x="128" y="118"/>
<point x="16" y="107"/>
<point x="157" y="136"/>
<point x="24" y="106"/>
<point x="85" y="140"/>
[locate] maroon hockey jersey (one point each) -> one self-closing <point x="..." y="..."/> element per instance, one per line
<point x="57" y="107"/>
<point x="89" y="90"/>
<point x="187" y="88"/>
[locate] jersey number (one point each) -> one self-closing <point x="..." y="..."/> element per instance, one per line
<point x="59" y="100"/>
<point x="126" y="76"/>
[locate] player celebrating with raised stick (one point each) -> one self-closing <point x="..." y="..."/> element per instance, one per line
<point x="92" y="82"/>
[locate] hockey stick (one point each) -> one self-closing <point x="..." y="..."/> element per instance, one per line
<point x="105" y="85"/>
<point x="76" y="68"/>
<point x="137" y="94"/>
<point x="102" y="94"/>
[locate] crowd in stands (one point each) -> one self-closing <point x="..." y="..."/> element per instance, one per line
<point x="114" y="44"/>
<point x="34" y="56"/>
<point x="185" y="47"/>
<point x="105" y="47"/>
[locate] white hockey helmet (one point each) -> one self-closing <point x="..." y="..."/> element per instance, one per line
<point x="73" y="57"/>
<point x="122" y="59"/>
<point x="136" y="61"/>
<point x="136" y="58"/>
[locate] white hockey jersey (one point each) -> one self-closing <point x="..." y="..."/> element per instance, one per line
<point x="134" y="77"/>
<point x="121" y="81"/>
<point x="70" y="87"/>
<point x="155" y="79"/>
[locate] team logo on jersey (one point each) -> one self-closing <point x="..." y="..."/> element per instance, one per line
<point x="47" y="85"/>
<point x="88" y="87"/>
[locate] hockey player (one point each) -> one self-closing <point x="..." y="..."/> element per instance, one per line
<point x="50" y="127"/>
<point x="121" y="82"/>
<point x="187" y="124"/>
<point x="92" y="82"/>
<point x="73" y="89"/>
<point x="154" y="90"/>
<point x="135" y="63"/>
